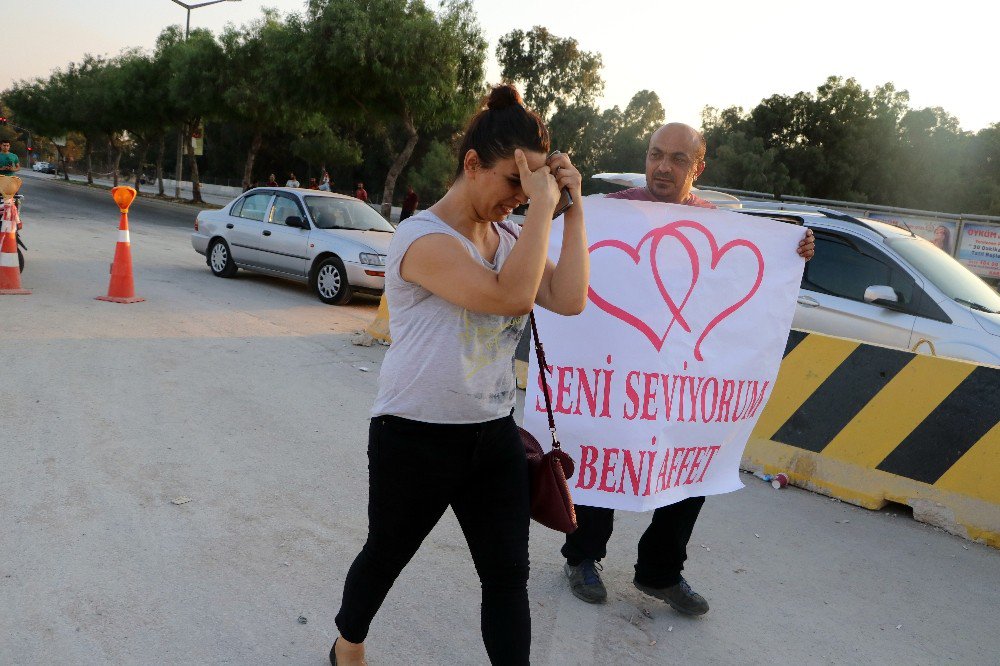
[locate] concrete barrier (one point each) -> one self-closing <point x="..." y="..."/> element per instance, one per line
<point x="871" y="425"/>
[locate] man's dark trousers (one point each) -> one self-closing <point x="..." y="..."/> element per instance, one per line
<point x="662" y="548"/>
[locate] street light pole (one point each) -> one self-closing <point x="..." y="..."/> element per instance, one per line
<point x="179" y="171"/>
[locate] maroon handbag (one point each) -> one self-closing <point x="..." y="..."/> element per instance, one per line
<point x="551" y="502"/>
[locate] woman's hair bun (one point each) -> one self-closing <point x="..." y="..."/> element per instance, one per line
<point x="504" y="96"/>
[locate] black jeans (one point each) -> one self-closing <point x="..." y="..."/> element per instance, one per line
<point x="662" y="548"/>
<point x="416" y="471"/>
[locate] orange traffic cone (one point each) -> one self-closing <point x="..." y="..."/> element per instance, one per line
<point x="122" y="287"/>
<point x="10" y="269"/>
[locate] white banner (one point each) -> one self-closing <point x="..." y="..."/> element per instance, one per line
<point x="658" y="384"/>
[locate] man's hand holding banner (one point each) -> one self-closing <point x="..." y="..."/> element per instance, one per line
<point x="658" y="384"/>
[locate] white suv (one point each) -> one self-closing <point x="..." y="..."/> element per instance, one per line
<point x="878" y="283"/>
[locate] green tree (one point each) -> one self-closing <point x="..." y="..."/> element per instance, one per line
<point x="629" y="132"/>
<point x="580" y="130"/>
<point x="255" y="81"/>
<point x="320" y="145"/>
<point x="551" y="71"/>
<point x="397" y="64"/>
<point x="195" y="88"/>
<point x="434" y="175"/>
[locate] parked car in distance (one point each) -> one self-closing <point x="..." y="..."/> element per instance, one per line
<point x="43" y="167"/>
<point x="878" y="283"/>
<point x="334" y="243"/>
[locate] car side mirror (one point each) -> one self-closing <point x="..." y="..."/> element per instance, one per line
<point x="296" y="221"/>
<point x="883" y="295"/>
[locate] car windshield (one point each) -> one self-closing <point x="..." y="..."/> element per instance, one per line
<point x="951" y="277"/>
<point x="334" y="213"/>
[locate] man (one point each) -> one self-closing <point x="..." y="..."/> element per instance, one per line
<point x="361" y="193"/>
<point x="674" y="161"/>
<point x="292" y="181"/>
<point x="410" y="202"/>
<point x="9" y="164"/>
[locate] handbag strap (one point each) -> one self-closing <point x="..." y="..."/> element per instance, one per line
<point x="543" y="367"/>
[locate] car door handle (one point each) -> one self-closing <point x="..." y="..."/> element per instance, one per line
<point x="267" y="233"/>
<point x="808" y="301"/>
<point x="229" y="226"/>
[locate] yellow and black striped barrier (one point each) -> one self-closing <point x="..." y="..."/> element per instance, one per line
<point x="871" y="425"/>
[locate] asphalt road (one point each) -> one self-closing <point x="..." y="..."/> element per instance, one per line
<point x="246" y="397"/>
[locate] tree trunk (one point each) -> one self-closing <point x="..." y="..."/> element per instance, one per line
<point x="90" y="163"/>
<point x="195" y="184"/>
<point x="159" y="164"/>
<point x="258" y="138"/>
<point x="116" y="158"/>
<point x="62" y="160"/>
<point x="143" y="148"/>
<point x="397" y="167"/>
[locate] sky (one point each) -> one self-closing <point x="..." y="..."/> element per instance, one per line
<point x="721" y="53"/>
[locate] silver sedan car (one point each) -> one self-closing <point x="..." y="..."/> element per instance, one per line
<point x="334" y="243"/>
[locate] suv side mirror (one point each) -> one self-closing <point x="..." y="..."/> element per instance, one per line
<point x="296" y="221"/>
<point x="883" y="295"/>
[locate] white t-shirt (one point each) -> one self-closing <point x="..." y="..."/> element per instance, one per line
<point x="446" y="364"/>
<point x="292" y="183"/>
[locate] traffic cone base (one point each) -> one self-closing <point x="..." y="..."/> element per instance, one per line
<point x="114" y="299"/>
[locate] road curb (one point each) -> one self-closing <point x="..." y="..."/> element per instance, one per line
<point x="145" y="197"/>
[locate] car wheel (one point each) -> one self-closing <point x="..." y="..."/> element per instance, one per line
<point x="330" y="282"/>
<point x="220" y="260"/>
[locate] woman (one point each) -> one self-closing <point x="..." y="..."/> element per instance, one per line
<point x="942" y="238"/>
<point x="292" y="181"/>
<point x="442" y="432"/>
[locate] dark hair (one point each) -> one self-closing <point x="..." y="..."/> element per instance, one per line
<point x="501" y="126"/>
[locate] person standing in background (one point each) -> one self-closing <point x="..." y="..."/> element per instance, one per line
<point x="9" y="163"/>
<point x="361" y="193"/>
<point x="410" y="202"/>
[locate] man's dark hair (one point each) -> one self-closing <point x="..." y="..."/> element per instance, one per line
<point x="501" y="127"/>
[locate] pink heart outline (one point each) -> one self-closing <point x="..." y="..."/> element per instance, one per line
<point x="676" y="311"/>
<point x="633" y="253"/>
<point x="717" y="254"/>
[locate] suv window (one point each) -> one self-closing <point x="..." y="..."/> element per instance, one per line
<point x="253" y="206"/>
<point x="846" y="268"/>
<point x="284" y="207"/>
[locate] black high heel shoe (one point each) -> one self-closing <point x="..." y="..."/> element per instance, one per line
<point x="333" y="653"/>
